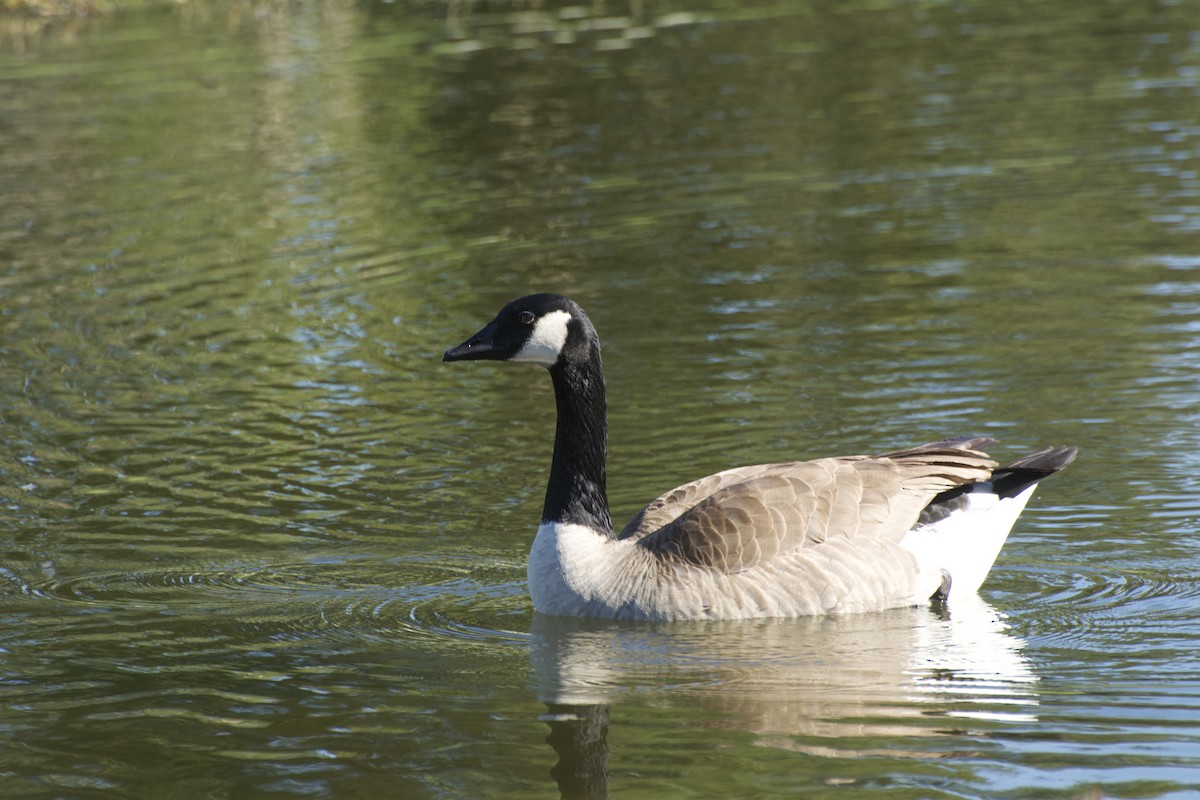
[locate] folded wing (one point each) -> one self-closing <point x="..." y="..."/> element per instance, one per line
<point x="745" y="518"/>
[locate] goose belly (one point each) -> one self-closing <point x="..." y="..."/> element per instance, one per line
<point x="836" y="577"/>
<point x="576" y="571"/>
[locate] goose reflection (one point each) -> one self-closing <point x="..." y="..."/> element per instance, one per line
<point x="802" y="685"/>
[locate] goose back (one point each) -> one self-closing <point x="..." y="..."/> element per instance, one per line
<point x="745" y="517"/>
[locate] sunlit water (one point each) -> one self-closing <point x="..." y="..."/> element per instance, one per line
<point x="258" y="541"/>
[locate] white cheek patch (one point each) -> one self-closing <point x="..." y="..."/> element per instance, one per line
<point x="549" y="336"/>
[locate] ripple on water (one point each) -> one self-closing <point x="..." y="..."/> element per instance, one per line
<point x="1112" y="610"/>
<point x="372" y="601"/>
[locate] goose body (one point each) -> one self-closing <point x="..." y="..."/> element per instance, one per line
<point x="832" y="535"/>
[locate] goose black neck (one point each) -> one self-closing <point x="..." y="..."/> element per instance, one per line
<point x="576" y="492"/>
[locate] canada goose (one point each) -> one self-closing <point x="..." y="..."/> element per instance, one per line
<point x="834" y="535"/>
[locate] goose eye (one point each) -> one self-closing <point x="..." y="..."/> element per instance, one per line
<point x="526" y="317"/>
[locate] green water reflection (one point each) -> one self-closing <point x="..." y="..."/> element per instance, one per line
<point x="259" y="542"/>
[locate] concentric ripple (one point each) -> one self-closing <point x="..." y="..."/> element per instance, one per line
<point x="165" y="586"/>
<point x="1105" y="605"/>
<point x="373" y="600"/>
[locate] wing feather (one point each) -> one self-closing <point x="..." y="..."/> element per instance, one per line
<point x="746" y="517"/>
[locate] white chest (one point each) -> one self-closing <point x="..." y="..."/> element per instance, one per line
<point x="573" y="569"/>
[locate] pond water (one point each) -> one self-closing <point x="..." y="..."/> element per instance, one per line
<point x="258" y="541"/>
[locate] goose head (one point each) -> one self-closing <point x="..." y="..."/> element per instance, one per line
<point x="537" y="329"/>
<point x="553" y="332"/>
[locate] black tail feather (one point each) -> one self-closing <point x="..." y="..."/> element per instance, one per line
<point x="1007" y="481"/>
<point x="1018" y="476"/>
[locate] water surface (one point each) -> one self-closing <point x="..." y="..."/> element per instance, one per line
<point x="258" y="541"/>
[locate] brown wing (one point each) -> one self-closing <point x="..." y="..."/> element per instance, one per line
<point x="742" y="518"/>
<point x="668" y="507"/>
